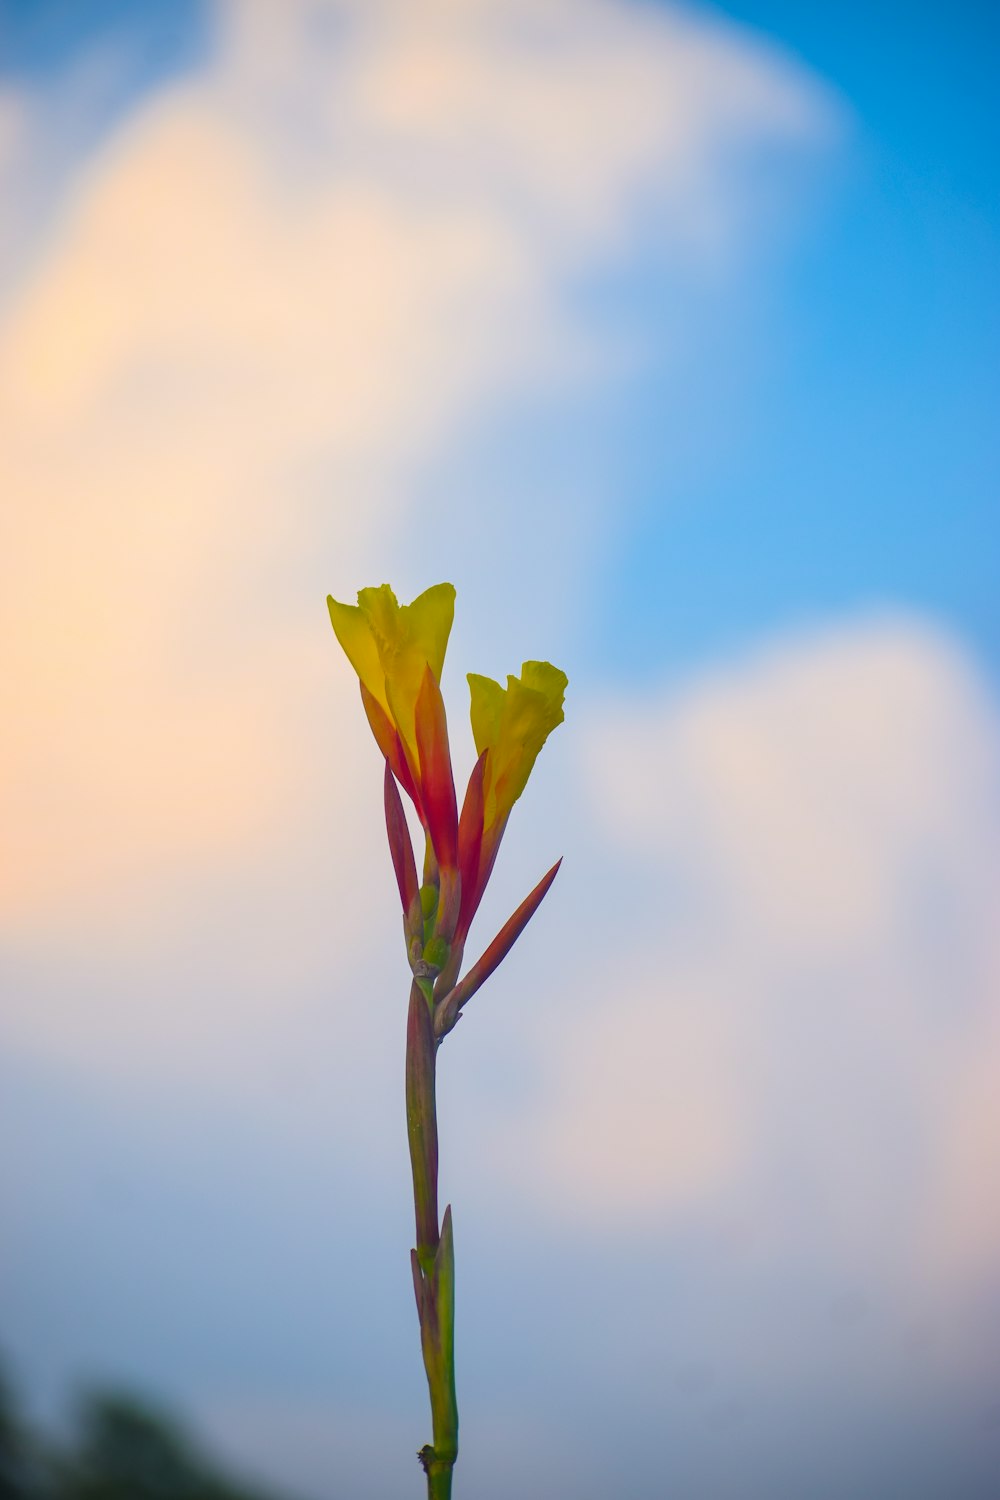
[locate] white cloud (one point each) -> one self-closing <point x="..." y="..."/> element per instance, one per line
<point x="816" y="782"/>
<point x="278" y="286"/>
<point x="803" y="1028"/>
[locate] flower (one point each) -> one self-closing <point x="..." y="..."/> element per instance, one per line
<point x="398" y="653"/>
<point x="390" y="646"/>
<point x="510" y="725"/>
<point x="513" y="724"/>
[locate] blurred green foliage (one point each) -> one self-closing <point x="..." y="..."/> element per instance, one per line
<point x="120" y="1449"/>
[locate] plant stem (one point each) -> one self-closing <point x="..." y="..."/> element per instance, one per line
<point x="433" y="1260"/>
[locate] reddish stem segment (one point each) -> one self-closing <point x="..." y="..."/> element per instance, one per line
<point x="421" y="1122"/>
<point x="433" y="1260"/>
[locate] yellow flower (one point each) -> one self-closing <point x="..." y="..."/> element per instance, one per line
<point x="398" y="652"/>
<point x="391" y="645"/>
<point x="513" y="724"/>
<point x="510" y="725"/>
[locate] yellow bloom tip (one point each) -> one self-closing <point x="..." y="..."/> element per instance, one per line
<point x="390" y="645"/>
<point x="513" y="723"/>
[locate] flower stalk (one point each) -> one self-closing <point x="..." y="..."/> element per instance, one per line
<point x="398" y="653"/>
<point x="433" y="1259"/>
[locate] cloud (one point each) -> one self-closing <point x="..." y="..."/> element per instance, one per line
<point x="813" y="779"/>
<point x="269" y="296"/>
<point x="797" y="1023"/>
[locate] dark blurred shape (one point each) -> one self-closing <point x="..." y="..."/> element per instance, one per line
<point x="19" y="1476"/>
<point x="122" y="1450"/>
<point x="127" y="1452"/>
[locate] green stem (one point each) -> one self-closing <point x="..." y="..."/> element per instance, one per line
<point x="433" y="1260"/>
<point x="439" y="1480"/>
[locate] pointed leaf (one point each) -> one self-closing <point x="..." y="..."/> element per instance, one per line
<point x="400" y="844"/>
<point x="447" y="1013"/>
<point x="470" y="843"/>
<point x="444" y="1287"/>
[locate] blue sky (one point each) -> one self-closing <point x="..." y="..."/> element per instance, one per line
<point x="867" y="441"/>
<point x="855" y="378"/>
<point x="669" y="335"/>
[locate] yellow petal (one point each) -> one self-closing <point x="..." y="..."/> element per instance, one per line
<point x="408" y="639"/>
<point x="487" y="707"/>
<point x="420" y="629"/>
<point x="532" y="711"/>
<point x="428" y="623"/>
<point x="352" y="629"/>
<point x="548" y="680"/>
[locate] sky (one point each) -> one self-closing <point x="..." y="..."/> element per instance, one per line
<point x="667" y="333"/>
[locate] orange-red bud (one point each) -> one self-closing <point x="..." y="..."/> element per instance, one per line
<point x="400" y="845"/>
<point x="436" y="780"/>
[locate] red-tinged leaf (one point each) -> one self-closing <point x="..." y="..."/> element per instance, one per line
<point x="388" y="739"/>
<point x="495" y="954"/>
<point x="470" y="844"/>
<point x="437" y="785"/>
<point x="419" y="1285"/>
<point x="487" y="859"/>
<point x="400" y="844"/>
